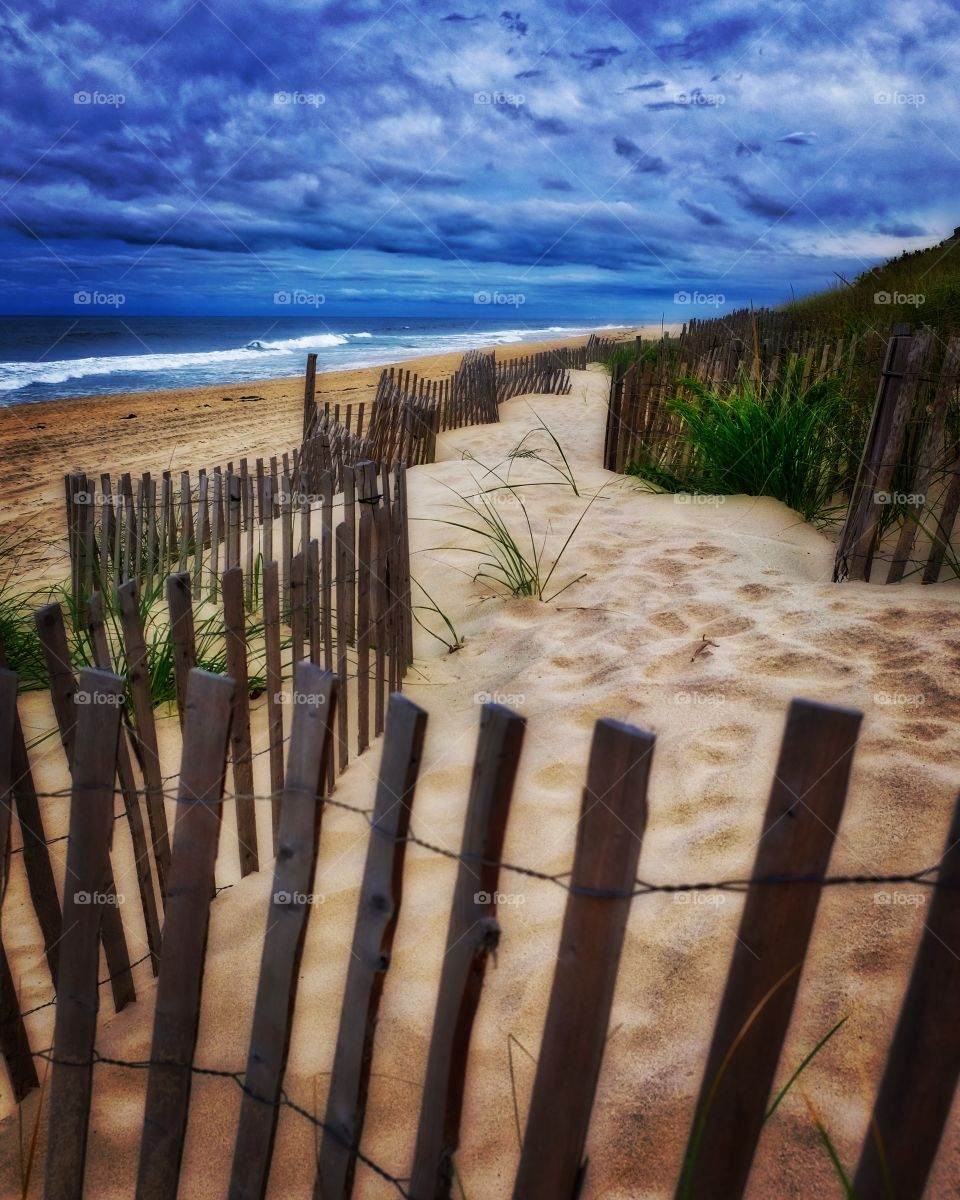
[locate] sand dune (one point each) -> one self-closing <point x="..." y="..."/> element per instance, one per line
<point x="698" y="621"/>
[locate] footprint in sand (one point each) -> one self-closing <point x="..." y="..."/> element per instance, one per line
<point x="668" y="622"/>
<point x="759" y="591"/>
<point x="717" y="554"/>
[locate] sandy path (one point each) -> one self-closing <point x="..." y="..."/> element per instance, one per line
<point x="660" y="577"/>
<point x="177" y="430"/>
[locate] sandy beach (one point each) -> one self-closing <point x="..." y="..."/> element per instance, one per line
<point x="179" y="430"/>
<point x="697" y="621"/>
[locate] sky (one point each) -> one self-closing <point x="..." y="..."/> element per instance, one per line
<point x="589" y="158"/>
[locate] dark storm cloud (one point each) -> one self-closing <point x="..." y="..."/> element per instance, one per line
<point x="159" y="141"/>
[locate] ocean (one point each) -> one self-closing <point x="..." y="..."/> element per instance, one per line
<point x="45" y="358"/>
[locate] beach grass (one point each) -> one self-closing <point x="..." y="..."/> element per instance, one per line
<point x="781" y="440"/>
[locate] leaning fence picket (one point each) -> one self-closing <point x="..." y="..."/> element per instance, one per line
<point x="274" y="675"/>
<point x="241" y="754"/>
<point x="128" y="789"/>
<point x="36" y="855"/>
<point x="182" y="635"/>
<point x="14" y="1045"/>
<point x="613" y="818"/>
<point x="472" y="935"/>
<point x="88" y="868"/>
<point x="799" y="826"/>
<point x="138" y="678"/>
<point x="68" y="702"/>
<point x="924" y="1060"/>
<point x="377" y="912"/>
<point x="315" y="692"/>
<point x="190" y="889"/>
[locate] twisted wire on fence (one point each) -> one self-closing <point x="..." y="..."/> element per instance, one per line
<point x="643" y="887"/>
<point x="238" y="1078"/>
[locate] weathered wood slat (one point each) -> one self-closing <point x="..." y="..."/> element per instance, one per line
<point x="189" y="891"/>
<point x="13" y="1036"/>
<point x="377" y="912"/>
<point x="36" y="856"/>
<point x="87" y="895"/>
<point x="920" y="1077"/>
<point x="613" y="818"/>
<point x="929" y="454"/>
<point x="290" y="905"/>
<point x="68" y="702"/>
<point x="802" y="817"/>
<point x="271" y="638"/>
<point x="241" y="753"/>
<point x="14" y="1044"/>
<point x="138" y="677"/>
<point x="473" y="933"/>
<point x="180" y="605"/>
<point x="103" y="661"/>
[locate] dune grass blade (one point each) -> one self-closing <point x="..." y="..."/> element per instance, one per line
<point x="433" y="607"/>
<point x="697" y="1138"/>
<point x="803" y="1065"/>
<point x="831" y="1150"/>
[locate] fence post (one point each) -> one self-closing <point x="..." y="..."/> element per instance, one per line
<point x="68" y="703"/>
<point x="36" y="856"/>
<point x="274" y="673"/>
<point x="235" y="634"/>
<point x="180" y="605"/>
<point x="191" y="886"/>
<point x="88" y="868"/>
<point x="128" y="788"/>
<point x="287" y="917"/>
<point x="473" y="933"/>
<point x="799" y="826"/>
<point x="919" y="1080"/>
<point x="138" y="675"/>
<point x="13" y="1036"/>
<point x="613" y="817"/>
<point x="377" y="911"/>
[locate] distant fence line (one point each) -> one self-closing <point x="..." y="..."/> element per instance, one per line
<point x="142" y="527"/>
<point x="903" y="491"/>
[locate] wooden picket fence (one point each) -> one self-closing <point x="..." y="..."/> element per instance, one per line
<point x="904" y="489"/>
<point x="142" y="528"/>
<point x="642" y="427"/>
<point x="800" y="825"/>
<point x="908" y="481"/>
<point x="350" y="611"/>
